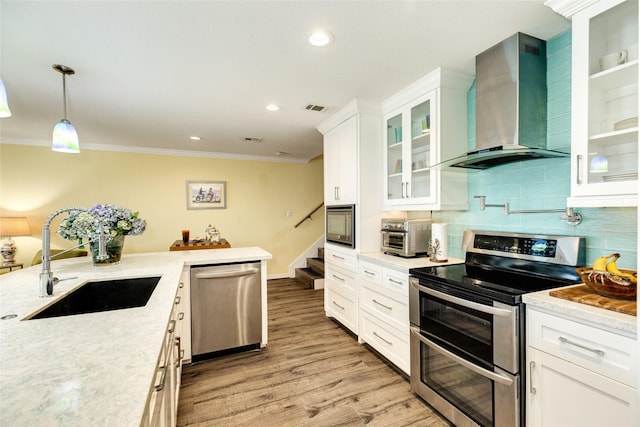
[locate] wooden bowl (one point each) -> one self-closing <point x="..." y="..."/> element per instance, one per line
<point x="608" y="284"/>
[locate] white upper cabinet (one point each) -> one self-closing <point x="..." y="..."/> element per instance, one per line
<point x="425" y="124"/>
<point x="604" y="126"/>
<point x="340" y="163"/>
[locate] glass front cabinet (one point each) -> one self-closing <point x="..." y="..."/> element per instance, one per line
<point x="604" y="128"/>
<point x="425" y="124"/>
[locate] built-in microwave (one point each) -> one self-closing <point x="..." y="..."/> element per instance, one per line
<point x="341" y="225"/>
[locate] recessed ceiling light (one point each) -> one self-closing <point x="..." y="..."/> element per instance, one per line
<point x="272" y="107"/>
<point x="195" y="138"/>
<point x="320" y="38"/>
<point x="281" y="153"/>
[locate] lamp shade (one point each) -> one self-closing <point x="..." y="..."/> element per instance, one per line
<point x="14" y="226"/>
<point x="4" y="102"/>
<point x="65" y="138"/>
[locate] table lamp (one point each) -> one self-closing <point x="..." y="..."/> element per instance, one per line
<point x="11" y="227"/>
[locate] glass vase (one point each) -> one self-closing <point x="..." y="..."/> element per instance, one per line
<point x="114" y="251"/>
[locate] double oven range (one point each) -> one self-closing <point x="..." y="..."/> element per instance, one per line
<point x="468" y="323"/>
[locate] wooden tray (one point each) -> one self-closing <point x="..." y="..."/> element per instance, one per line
<point x="584" y="295"/>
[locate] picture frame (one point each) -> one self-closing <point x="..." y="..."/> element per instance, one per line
<point x="206" y="194"/>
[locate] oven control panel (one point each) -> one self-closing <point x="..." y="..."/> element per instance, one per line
<point x="515" y="245"/>
<point x="565" y="250"/>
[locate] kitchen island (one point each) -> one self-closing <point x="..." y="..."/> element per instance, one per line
<point x="96" y="368"/>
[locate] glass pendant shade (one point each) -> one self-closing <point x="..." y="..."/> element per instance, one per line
<point x="65" y="138"/>
<point x="4" y="102"/>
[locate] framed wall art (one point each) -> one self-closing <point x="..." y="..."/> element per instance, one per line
<point x="206" y="194"/>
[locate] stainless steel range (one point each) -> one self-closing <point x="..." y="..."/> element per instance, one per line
<point x="468" y="325"/>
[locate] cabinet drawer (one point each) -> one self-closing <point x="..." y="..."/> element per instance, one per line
<point x="389" y="309"/>
<point x="342" y="307"/>
<point x="386" y="340"/>
<point x="600" y="351"/>
<point x="372" y="273"/>
<point x="340" y="278"/>
<point x="395" y="281"/>
<point x="345" y="260"/>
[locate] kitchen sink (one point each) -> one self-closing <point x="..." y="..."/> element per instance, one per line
<point x="99" y="296"/>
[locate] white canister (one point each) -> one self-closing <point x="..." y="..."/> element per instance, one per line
<point x="439" y="242"/>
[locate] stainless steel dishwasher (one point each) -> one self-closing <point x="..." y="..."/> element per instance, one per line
<point x="226" y="308"/>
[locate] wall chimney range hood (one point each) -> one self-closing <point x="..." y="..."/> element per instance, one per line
<point x="511" y="106"/>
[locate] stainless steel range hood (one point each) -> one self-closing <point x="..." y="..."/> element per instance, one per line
<point x="511" y="106"/>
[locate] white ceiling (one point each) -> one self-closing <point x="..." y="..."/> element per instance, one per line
<point x="149" y="74"/>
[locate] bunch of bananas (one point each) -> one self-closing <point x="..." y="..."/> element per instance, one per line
<point x="603" y="264"/>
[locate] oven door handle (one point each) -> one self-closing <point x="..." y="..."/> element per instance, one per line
<point x="478" y="370"/>
<point x="469" y="304"/>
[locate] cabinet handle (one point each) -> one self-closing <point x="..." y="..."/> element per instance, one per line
<point x="403" y="192"/>
<point x="382" y="305"/>
<point x="339" y="257"/>
<point x="338" y="277"/>
<point x="177" y="301"/>
<point x="388" y="342"/>
<point x="408" y="191"/>
<point x="397" y="282"/>
<point x="181" y="285"/>
<point x="172" y="326"/>
<point x="578" y="161"/>
<point x="338" y="305"/>
<point x="160" y="386"/>
<point x="179" y="358"/>
<point x="532" y="389"/>
<point x="575" y="344"/>
<point x="180" y="315"/>
<point x="370" y="273"/>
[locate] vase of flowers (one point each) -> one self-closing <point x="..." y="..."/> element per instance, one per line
<point x="114" y="221"/>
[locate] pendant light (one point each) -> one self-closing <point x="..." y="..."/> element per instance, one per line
<point x="65" y="137"/>
<point x="4" y="102"/>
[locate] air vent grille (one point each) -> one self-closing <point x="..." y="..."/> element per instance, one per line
<point x="313" y="107"/>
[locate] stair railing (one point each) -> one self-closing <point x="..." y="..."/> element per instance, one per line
<point x="309" y="216"/>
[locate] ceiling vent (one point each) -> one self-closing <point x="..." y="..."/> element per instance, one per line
<point x="313" y="107"/>
<point x="252" y="139"/>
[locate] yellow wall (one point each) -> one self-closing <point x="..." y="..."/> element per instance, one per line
<point x="35" y="181"/>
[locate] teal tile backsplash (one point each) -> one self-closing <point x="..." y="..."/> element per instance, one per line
<point x="542" y="184"/>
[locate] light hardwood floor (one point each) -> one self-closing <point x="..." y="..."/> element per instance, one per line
<point x="312" y="373"/>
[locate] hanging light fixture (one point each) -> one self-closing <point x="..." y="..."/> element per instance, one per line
<point x="4" y="102"/>
<point x="65" y="137"/>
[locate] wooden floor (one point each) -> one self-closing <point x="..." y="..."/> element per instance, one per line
<point x="312" y="373"/>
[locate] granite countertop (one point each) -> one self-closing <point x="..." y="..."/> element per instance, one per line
<point x="620" y="323"/>
<point x="403" y="264"/>
<point x="96" y="368"/>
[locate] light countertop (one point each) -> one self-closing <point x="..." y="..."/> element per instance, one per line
<point x="90" y="369"/>
<point x="620" y="323"/>
<point x="403" y="264"/>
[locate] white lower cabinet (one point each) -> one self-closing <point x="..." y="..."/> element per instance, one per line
<point x="162" y="408"/>
<point x="579" y="375"/>
<point x="384" y="312"/>
<point x="340" y="287"/>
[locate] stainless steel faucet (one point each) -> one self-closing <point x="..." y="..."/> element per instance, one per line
<point x="46" y="276"/>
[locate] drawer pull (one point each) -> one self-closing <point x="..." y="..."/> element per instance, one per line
<point x="376" y="334"/>
<point x="338" y="277"/>
<point x="338" y="305"/>
<point x="177" y="301"/>
<point x="180" y="315"/>
<point x="575" y="344"/>
<point x="397" y="282"/>
<point x="382" y="305"/>
<point x="370" y="273"/>
<point x="163" y="377"/>
<point x="172" y="326"/>
<point x="339" y="257"/>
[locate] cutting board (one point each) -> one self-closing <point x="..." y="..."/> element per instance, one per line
<point x="584" y="295"/>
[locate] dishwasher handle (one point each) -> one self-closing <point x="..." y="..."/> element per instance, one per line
<point x="223" y="274"/>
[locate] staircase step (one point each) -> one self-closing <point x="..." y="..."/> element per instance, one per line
<point x="321" y="253"/>
<point x="316" y="264"/>
<point x="308" y="276"/>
